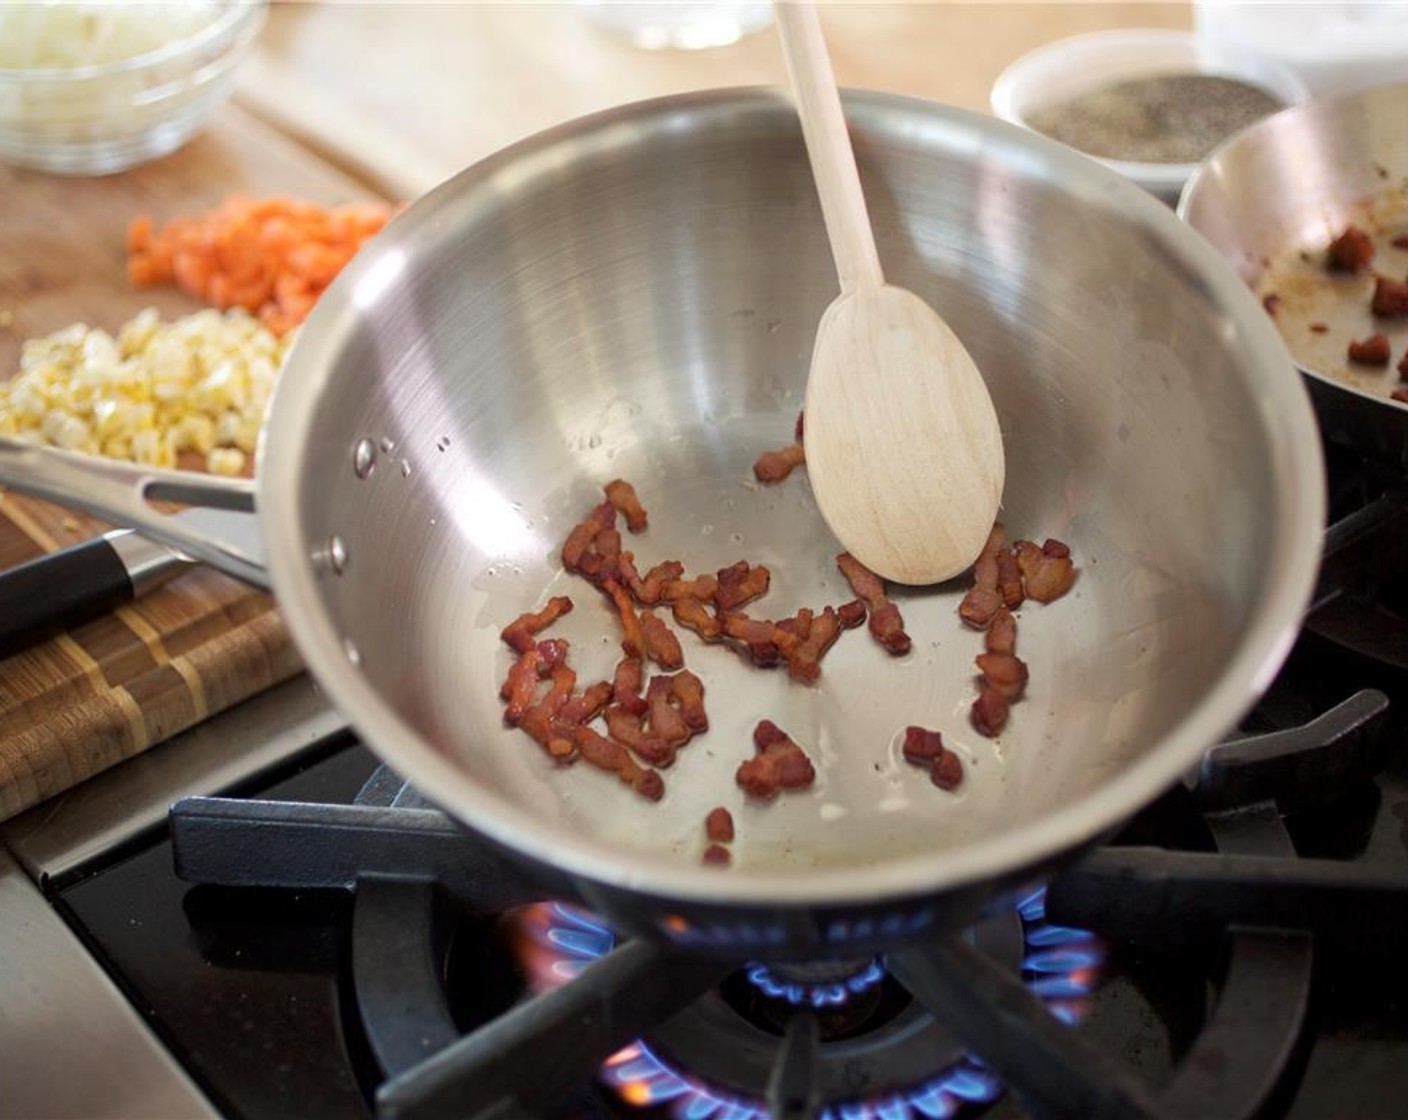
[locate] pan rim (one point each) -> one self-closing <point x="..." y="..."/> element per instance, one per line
<point x="1299" y="493"/>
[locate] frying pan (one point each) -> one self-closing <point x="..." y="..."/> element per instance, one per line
<point x="1285" y="187"/>
<point x="635" y="295"/>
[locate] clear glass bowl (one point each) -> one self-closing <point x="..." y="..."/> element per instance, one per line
<point x="95" y="120"/>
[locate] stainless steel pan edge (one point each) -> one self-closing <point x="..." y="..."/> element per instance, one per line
<point x="624" y="883"/>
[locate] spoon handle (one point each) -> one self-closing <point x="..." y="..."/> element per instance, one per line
<point x="828" y="146"/>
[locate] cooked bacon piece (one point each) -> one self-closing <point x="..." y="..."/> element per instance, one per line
<point x="601" y="752"/>
<point x="718" y="826"/>
<point x="521" y="631"/>
<point x="1351" y="251"/>
<point x="868" y="587"/>
<point x="1004" y="672"/>
<point x="799" y="625"/>
<point x="601" y="559"/>
<point x="716" y="855"/>
<point x="1372" y="351"/>
<point x="1271" y="302"/>
<point x="585" y="706"/>
<point x="804" y="662"/>
<point x="774" y="466"/>
<point x="626" y="729"/>
<point x="1046" y="572"/>
<point x="626" y="684"/>
<point x="1052" y="547"/>
<point x="851" y="614"/>
<point x="665" y="719"/>
<point x="551" y="651"/>
<point x="985" y="596"/>
<point x="740" y="583"/>
<point x="538" y="721"/>
<point x="989" y="712"/>
<point x="947" y="771"/>
<point x="1002" y="633"/>
<point x="925" y="748"/>
<point x="1009" y="580"/>
<point x="520" y="687"/>
<point x="580" y="541"/>
<point x="658" y="641"/>
<point x="765" y="643"/>
<point x="694" y="615"/>
<point x="632" y="640"/>
<point x="687" y="691"/>
<point x="622" y="496"/>
<point x="1390" y="298"/>
<point x="701" y="588"/>
<point x="922" y="746"/>
<point x="887" y="628"/>
<point x="886" y="623"/>
<point x="650" y="590"/>
<point x="779" y="764"/>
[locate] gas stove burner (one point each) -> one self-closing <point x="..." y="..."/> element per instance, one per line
<point x="692" y="1065"/>
<point x="816" y="986"/>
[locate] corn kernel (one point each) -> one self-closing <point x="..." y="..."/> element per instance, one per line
<point x="225" y="460"/>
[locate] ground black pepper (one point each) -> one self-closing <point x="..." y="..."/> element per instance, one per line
<point x="1167" y="118"/>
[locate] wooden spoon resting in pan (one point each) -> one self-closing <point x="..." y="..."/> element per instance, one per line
<point x="903" y="448"/>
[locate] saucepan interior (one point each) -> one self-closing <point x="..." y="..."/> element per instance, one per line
<point x="636" y="296"/>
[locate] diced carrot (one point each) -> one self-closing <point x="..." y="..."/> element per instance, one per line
<point x="273" y="255"/>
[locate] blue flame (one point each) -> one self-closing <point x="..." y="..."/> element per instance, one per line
<point x="1059" y="966"/>
<point x="830" y="994"/>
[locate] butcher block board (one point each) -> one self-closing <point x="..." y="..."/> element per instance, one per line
<point x="81" y="701"/>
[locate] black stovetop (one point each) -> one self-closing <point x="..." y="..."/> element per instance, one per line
<point x="253" y="988"/>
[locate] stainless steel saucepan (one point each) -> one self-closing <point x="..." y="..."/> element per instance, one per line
<point x="1273" y="197"/>
<point x="635" y="295"/>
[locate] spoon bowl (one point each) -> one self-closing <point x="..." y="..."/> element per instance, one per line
<point x="903" y="448"/>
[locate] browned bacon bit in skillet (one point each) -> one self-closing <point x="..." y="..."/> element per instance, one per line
<point x="1002" y="633"/>
<point x="585" y="706"/>
<point x="1004" y="672"/>
<point x="926" y="749"/>
<point x="1372" y="351"/>
<point x="701" y="588"/>
<point x="804" y="661"/>
<point x="1390" y="298"/>
<point x="666" y="720"/>
<point x="740" y="584"/>
<point x="717" y="855"/>
<point x="579" y="551"/>
<point x="718" y="826"/>
<point x="658" y="641"/>
<point x="628" y="730"/>
<point x="647" y="591"/>
<point x="779" y="764"/>
<point x="622" y="496"/>
<point x="774" y="466"/>
<point x="687" y="691"/>
<point x="521" y="633"/>
<point x="694" y="615"/>
<point x="1009" y="580"/>
<point x="984" y="598"/>
<point x="1047" y="572"/>
<point x="851" y="614"/>
<point x="990" y="710"/>
<point x="599" y="751"/>
<point x="1271" y="302"/>
<point x="632" y="640"/>
<point x="886" y="624"/>
<point x="626" y="683"/>
<point x="1351" y="251"/>
<point x="520" y="687"/>
<point x="761" y="640"/>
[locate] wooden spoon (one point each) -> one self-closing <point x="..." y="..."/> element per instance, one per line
<point x="902" y="444"/>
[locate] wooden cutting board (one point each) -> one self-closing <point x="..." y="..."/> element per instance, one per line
<point x="81" y="701"/>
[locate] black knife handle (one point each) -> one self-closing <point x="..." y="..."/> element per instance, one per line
<point x="60" y="590"/>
